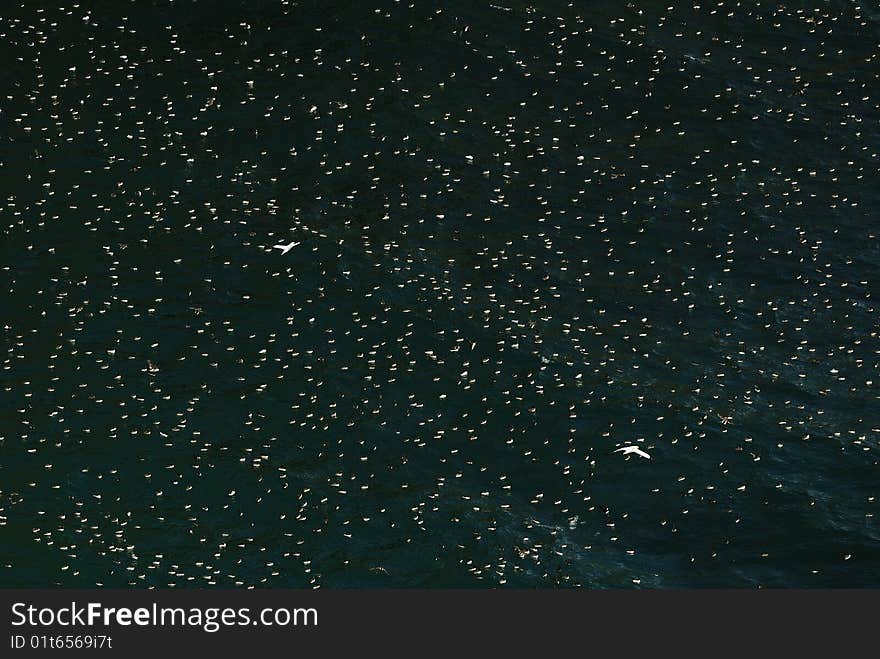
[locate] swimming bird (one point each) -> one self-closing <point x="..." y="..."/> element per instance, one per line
<point x="286" y="248"/>
<point x="628" y="450"/>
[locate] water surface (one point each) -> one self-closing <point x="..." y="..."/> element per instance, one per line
<point x="529" y="234"/>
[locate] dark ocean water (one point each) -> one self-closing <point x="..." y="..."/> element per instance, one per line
<point x="526" y="235"/>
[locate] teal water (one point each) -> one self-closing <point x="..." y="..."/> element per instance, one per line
<point x="528" y="235"/>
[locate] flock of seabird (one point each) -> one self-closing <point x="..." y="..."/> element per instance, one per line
<point x="556" y="294"/>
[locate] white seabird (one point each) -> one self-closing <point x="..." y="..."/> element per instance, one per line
<point x="286" y="248"/>
<point x="629" y="450"/>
